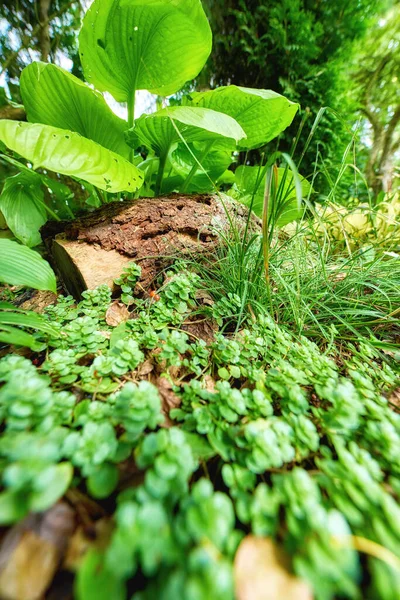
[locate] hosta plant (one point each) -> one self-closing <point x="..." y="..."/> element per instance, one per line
<point x="125" y="46"/>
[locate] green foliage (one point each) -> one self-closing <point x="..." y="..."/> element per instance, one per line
<point x="22" y="205"/>
<point x="11" y="319"/>
<point x="157" y="46"/>
<point x="269" y="434"/>
<point x="127" y="282"/>
<point x="68" y="153"/>
<point x="375" y="77"/>
<point x="304" y="447"/>
<point x="137" y="408"/>
<point x="22" y="266"/>
<point x="125" y="46"/>
<point x="250" y="183"/>
<point x="160" y="130"/>
<point x="54" y="97"/>
<point x="297" y="48"/>
<point x="263" y="114"/>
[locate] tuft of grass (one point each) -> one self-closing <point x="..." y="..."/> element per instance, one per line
<point x="311" y="289"/>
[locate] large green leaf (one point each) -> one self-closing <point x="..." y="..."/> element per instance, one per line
<point x="263" y="114"/>
<point x="10" y="317"/>
<point x="22" y="204"/>
<point x="168" y="126"/>
<point x="17" y="337"/>
<point x="54" y="97"/>
<point x="250" y="187"/>
<point x="20" y="265"/>
<point x="214" y="164"/>
<point x="156" y="45"/>
<point x="27" y="319"/>
<point x="70" y="154"/>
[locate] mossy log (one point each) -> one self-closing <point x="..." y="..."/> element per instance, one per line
<point x="94" y="249"/>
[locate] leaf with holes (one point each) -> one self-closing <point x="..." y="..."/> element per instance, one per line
<point x="155" y="45"/>
<point x="70" y="154"/>
<point x="162" y="129"/>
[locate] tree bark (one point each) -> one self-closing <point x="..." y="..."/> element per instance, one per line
<point x="94" y="249"/>
<point x="12" y="112"/>
<point x="44" y="32"/>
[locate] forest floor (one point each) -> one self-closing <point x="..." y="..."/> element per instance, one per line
<point x="187" y="440"/>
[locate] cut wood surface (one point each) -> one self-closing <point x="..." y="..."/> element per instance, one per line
<point x="94" y="249"/>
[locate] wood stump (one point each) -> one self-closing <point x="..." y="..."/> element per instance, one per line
<point x="94" y="249"/>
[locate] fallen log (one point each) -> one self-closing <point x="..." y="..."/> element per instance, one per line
<point x="94" y="249"/>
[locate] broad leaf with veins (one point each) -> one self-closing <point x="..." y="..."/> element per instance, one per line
<point x="263" y="114"/>
<point x="54" y="97"/>
<point x="154" y="45"/>
<point x="70" y="154"/>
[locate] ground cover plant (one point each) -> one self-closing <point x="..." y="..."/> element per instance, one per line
<point x="265" y="435"/>
<point x="229" y="428"/>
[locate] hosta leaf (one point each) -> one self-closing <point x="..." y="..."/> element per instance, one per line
<point x="20" y="265"/>
<point x="54" y="97"/>
<point x="70" y="154"/>
<point x="249" y="181"/>
<point x="28" y="319"/>
<point x="22" y="204"/>
<point x="16" y="337"/>
<point x="215" y="164"/>
<point x="263" y="114"/>
<point x="159" y="130"/>
<point x="156" y="45"/>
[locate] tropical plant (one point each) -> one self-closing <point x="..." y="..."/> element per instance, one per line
<point x="127" y="46"/>
<point x="20" y="266"/>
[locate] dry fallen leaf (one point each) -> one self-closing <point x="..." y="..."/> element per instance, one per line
<point x="203" y="329"/>
<point x="209" y="383"/>
<point x="31" y="552"/>
<point x="261" y="573"/>
<point x="394" y="400"/>
<point x="146" y="368"/>
<point x="205" y="298"/>
<point x="117" y="313"/>
<point x="169" y="399"/>
<point x="83" y="540"/>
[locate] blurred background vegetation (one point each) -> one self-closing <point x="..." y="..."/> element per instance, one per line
<point x="342" y="55"/>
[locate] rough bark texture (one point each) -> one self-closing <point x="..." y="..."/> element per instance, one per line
<point x="95" y="249"/>
<point x="44" y="33"/>
<point x="13" y="113"/>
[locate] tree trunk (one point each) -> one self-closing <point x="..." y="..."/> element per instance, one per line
<point x="12" y="112"/>
<point x="94" y="249"/>
<point x="44" y="32"/>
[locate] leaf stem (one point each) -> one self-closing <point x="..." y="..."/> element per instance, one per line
<point x="195" y="167"/>
<point x="131" y="116"/>
<point x="160" y="174"/>
<point x="49" y="210"/>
